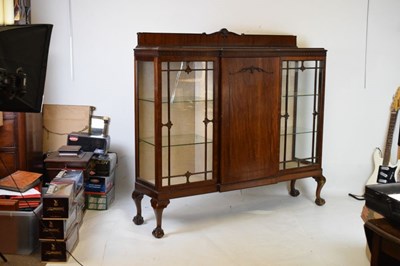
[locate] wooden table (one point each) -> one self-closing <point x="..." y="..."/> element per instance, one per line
<point x="383" y="240"/>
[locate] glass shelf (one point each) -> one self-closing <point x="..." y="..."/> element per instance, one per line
<point x="178" y="100"/>
<point x="299" y="131"/>
<point x="290" y="95"/>
<point x="179" y="140"/>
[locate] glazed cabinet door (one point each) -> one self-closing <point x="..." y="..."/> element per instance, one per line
<point x="302" y="111"/>
<point x="175" y="112"/>
<point x="250" y="118"/>
<point x="187" y="92"/>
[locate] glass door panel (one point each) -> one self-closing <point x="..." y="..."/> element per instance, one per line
<point x="301" y="84"/>
<point x="145" y="116"/>
<point x="187" y="125"/>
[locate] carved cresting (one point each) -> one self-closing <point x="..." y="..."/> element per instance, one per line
<point x="223" y="32"/>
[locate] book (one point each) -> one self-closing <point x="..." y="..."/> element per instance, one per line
<point x="9" y="205"/>
<point x="70" y="150"/>
<point x="20" y="181"/>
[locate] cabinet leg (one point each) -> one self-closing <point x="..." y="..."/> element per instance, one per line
<point x="158" y="207"/>
<point x="137" y="198"/>
<point x="320" y="183"/>
<point x="293" y="191"/>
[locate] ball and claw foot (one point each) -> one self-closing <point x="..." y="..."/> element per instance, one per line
<point x="294" y="192"/>
<point x="158" y="232"/>
<point x="138" y="220"/>
<point x="319" y="201"/>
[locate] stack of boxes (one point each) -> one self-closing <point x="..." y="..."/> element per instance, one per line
<point x="75" y="183"/>
<point x="99" y="185"/>
<point x="63" y="207"/>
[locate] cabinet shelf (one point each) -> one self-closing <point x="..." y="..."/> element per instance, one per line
<point x="290" y="95"/>
<point x="179" y="140"/>
<point x="299" y="131"/>
<point x="178" y="100"/>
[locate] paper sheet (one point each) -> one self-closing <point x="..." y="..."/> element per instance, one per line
<point x="32" y="191"/>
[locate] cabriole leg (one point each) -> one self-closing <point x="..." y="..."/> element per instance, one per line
<point x="137" y="198"/>
<point x="320" y="183"/>
<point x="293" y="191"/>
<point x="158" y="207"/>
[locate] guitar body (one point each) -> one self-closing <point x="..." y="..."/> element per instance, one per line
<point x="383" y="174"/>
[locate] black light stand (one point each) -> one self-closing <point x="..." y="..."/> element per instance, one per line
<point x="2" y="256"/>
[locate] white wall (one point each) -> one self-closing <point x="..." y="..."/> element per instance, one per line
<point x="104" y="35"/>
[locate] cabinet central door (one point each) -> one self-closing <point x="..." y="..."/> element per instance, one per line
<point x="250" y="115"/>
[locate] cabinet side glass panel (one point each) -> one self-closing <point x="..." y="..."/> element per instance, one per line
<point x="146" y="149"/>
<point x="187" y="113"/>
<point x="301" y="81"/>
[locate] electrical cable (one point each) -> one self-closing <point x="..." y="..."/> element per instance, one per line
<point x="357" y="197"/>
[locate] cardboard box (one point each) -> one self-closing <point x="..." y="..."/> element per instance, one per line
<point x="60" y="120"/>
<point x="56" y="228"/>
<point x="19" y="231"/>
<point x="100" y="183"/>
<point x="70" y="176"/>
<point x="99" y="201"/>
<point x="80" y="199"/>
<point x="58" y="200"/>
<point x="102" y="165"/>
<point x="56" y="250"/>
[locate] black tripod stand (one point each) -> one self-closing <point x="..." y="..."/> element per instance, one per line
<point x="2" y="256"/>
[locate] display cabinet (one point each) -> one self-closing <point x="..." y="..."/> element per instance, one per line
<point x="222" y="111"/>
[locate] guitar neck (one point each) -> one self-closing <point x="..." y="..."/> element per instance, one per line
<point x="389" y="138"/>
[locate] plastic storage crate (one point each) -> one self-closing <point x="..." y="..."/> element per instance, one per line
<point x="19" y="231"/>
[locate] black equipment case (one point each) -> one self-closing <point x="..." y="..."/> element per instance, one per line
<point x="384" y="199"/>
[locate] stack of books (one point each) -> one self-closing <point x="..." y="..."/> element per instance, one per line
<point x="20" y="191"/>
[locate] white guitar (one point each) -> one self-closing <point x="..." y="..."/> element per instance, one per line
<point x="384" y="172"/>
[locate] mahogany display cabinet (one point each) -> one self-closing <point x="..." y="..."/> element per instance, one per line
<point x="220" y="112"/>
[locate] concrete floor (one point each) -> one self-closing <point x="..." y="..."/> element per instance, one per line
<point x="258" y="226"/>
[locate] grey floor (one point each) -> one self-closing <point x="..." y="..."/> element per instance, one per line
<point x="258" y="226"/>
